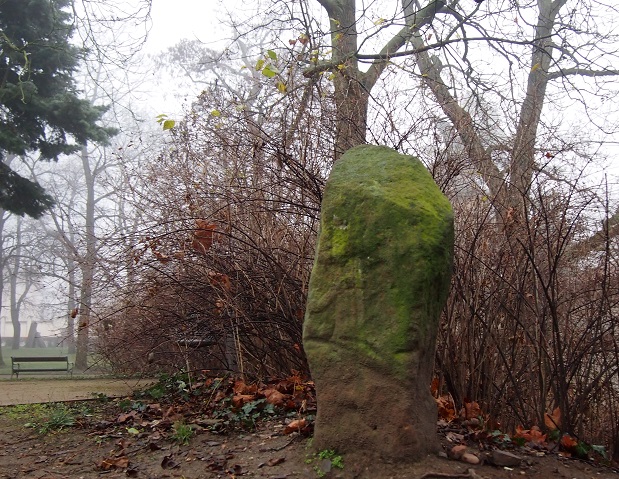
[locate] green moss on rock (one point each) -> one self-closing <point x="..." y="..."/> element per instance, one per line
<point x="383" y="262"/>
<point x="379" y="282"/>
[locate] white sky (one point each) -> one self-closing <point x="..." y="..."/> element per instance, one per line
<point x="178" y="19"/>
<point x="172" y="21"/>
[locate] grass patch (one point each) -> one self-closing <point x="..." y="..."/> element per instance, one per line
<point x="181" y="433"/>
<point x="46" y="418"/>
<point x="324" y="461"/>
<point x="7" y="352"/>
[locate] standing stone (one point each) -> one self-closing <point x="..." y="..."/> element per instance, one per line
<point x="380" y="280"/>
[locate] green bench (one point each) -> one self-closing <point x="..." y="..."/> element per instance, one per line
<point x="40" y="364"/>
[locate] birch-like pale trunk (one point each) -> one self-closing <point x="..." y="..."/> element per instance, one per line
<point x="2" y="260"/>
<point x="87" y="266"/>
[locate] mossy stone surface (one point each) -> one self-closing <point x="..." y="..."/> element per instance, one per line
<point x="380" y="279"/>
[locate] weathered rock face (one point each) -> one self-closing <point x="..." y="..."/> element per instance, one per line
<point x="379" y="282"/>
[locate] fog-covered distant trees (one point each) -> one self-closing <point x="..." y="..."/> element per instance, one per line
<point x="40" y="109"/>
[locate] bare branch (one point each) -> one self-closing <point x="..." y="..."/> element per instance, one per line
<point x="414" y="22"/>
<point x="328" y="5"/>
<point x="383" y="57"/>
<point x="461" y="119"/>
<point x="582" y="72"/>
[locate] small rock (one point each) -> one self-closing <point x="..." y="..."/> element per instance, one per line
<point x="325" y="466"/>
<point x="504" y="459"/>
<point x="456" y="452"/>
<point x="454" y="437"/>
<point x="470" y="458"/>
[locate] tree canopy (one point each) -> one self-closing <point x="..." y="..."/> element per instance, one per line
<point x="40" y="109"/>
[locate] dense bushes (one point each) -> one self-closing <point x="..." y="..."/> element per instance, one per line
<point x="229" y="222"/>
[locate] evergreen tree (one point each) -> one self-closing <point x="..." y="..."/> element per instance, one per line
<point x="39" y="106"/>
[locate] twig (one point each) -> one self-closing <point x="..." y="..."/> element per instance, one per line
<point x="268" y="449"/>
<point x="471" y="474"/>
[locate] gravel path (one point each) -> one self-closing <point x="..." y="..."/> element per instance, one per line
<point x="35" y="390"/>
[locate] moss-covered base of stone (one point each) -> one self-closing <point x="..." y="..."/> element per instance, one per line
<point x="372" y="417"/>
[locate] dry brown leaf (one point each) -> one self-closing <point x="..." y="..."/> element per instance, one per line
<point x="126" y="416"/>
<point x="471" y="410"/>
<point x="275" y="461"/>
<point x="203" y="236"/>
<point x="553" y="421"/>
<point x="446" y="408"/>
<point x="220" y="279"/>
<point x="240" y="387"/>
<point x="295" y="426"/>
<point x="533" y="435"/>
<point x="568" y="442"/>
<point x="537" y="436"/>
<point x="163" y="258"/>
<point x="239" y="399"/>
<point x="434" y="387"/>
<point x="110" y="463"/>
<point x="273" y="396"/>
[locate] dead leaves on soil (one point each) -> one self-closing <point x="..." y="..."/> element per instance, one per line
<point x="213" y="402"/>
<point x="110" y="463"/>
<point x="474" y="423"/>
<point x="205" y="405"/>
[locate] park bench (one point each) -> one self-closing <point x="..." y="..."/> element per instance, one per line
<point x="40" y="365"/>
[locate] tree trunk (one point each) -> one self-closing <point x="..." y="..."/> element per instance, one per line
<point x="351" y="117"/>
<point x="87" y="268"/>
<point x="523" y="152"/>
<point x="83" y="327"/>
<point x="430" y="69"/>
<point x="351" y="95"/>
<point x="14" y="303"/>
<point x="31" y="340"/>
<point x="508" y="192"/>
<point x="352" y="87"/>
<point x="2" y="221"/>
<point x="71" y="308"/>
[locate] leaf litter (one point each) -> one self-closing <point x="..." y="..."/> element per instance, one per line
<point x="241" y="429"/>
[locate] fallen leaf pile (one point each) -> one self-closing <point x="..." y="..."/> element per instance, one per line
<point x="214" y="404"/>
<point x="469" y="425"/>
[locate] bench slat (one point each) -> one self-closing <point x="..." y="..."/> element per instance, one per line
<point x="42" y="359"/>
<point x="40" y="370"/>
<point x="18" y="366"/>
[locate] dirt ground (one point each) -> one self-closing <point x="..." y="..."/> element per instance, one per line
<point x="107" y="443"/>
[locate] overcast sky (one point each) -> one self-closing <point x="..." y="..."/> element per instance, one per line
<point x="173" y="21"/>
<point x="178" y="19"/>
